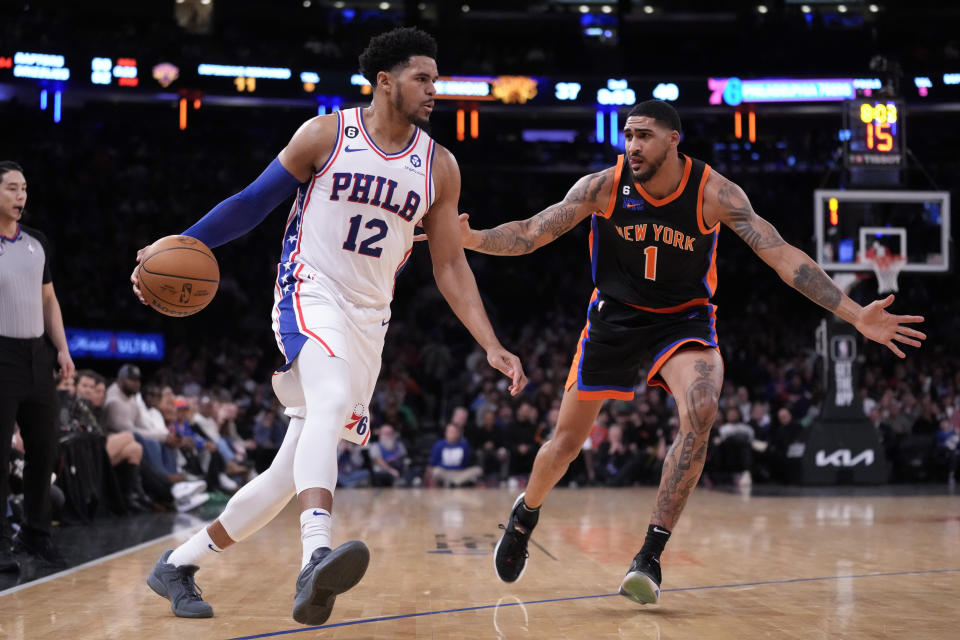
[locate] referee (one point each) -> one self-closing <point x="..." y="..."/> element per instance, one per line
<point x="29" y="310"/>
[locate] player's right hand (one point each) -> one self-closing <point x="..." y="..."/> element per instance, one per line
<point x="466" y="233"/>
<point x="135" y="276"/>
<point x="509" y="365"/>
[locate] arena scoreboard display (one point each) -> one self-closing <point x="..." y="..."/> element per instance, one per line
<point x="874" y="132"/>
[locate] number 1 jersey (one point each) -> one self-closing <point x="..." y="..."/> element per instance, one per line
<point x="655" y="253"/>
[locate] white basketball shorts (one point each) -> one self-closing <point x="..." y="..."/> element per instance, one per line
<point x="317" y="311"/>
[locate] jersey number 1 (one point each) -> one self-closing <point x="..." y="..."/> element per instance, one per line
<point x="366" y="247"/>
<point x="650" y="266"/>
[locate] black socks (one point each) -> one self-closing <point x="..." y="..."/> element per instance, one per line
<point x="526" y="516"/>
<point x="655" y="541"/>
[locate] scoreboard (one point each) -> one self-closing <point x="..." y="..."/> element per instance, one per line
<point x="875" y="134"/>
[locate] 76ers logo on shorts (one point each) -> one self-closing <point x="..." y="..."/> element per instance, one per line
<point x="358" y="422"/>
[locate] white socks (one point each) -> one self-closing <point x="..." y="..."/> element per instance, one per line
<point x="314" y="532"/>
<point x="199" y="548"/>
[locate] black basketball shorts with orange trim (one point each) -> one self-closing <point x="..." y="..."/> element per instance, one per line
<point x="619" y="340"/>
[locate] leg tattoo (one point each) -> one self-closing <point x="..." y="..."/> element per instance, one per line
<point x="684" y="461"/>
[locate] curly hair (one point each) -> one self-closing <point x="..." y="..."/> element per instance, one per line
<point x="393" y="49"/>
<point x="661" y="112"/>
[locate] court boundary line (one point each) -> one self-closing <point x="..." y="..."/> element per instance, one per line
<point x="542" y="548"/>
<point x="89" y="563"/>
<point x="351" y="623"/>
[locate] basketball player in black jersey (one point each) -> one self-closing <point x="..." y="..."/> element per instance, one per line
<point x="655" y="218"/>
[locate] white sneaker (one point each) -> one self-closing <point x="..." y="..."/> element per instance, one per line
<point x="227" y="483"/>
<point x="192" y="502"/>
<point x="186" y="489"/>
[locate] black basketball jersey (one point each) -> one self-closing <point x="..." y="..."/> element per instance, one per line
<point x="655" y="253"/>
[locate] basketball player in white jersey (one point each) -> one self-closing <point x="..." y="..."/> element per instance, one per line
<point x="363" y="178"/>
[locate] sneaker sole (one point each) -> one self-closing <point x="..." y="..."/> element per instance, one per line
<point x="640" y="588"/>
<point x="340" y="571"/>
<point x="496" y="549"/>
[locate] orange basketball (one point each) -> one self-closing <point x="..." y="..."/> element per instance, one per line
<point x="179" y="276"/>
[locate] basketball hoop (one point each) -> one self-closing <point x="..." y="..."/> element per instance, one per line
<point x="886" y="266"/>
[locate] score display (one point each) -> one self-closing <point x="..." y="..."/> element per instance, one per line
<point x="875" y="134"/>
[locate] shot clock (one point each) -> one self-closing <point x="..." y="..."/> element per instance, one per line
<point x="874" y="134"/>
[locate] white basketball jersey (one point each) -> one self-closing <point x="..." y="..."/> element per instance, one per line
<point x="353" y="223"/>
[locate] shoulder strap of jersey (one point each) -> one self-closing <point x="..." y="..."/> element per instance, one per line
<point x="615" y="189"/>
<point x="337" y="144"/>
<point x="705" y="168"/>
<point x="430" y="151"/>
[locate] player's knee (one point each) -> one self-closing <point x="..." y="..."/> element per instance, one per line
<point x="702" y="413"/>
<point x="329" y="393"/>
<point x="566" y="449"/>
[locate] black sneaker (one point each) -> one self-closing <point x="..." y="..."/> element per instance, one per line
<point x="510" y="555"/>
<point x="328" y="574"/>
<point x="39" y="547"/>
<point x="177" y="585"/>
<point x="642" y="582"/>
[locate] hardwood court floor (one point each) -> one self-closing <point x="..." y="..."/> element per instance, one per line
<point x="737" y="567"/>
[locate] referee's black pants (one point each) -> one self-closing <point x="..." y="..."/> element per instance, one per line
<point x="28" y="398"/>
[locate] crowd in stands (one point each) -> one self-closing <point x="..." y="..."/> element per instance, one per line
<point x="178" y="442"/>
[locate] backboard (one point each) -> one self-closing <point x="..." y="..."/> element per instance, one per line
<point x="914" y="225"/>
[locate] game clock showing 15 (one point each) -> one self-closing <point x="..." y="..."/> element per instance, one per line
<point x="880" y="120"/>
<point x="874" y="133"/>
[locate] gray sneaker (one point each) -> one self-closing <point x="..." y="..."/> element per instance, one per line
<point x="176" y="584"/>
<point x="327" y="574"/>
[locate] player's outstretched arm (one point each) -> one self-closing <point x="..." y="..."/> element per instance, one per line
<point x="726" y="202"/>
<point x="453" y="275"/>
<point x="518" y="237"/>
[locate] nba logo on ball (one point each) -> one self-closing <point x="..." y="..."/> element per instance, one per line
<point x="178" y="276"/>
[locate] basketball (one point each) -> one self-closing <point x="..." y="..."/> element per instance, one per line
<point x="179" y="276"/>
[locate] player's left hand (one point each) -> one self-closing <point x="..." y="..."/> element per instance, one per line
<point x="878" y="325"/>
<point x="509" y="365"/>
<point x="135" y="275"/>
<point x="67" y="368"/>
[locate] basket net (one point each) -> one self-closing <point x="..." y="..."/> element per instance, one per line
<point x="887" y="267"/>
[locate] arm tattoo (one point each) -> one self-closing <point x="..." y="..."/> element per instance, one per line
<point x="596" y="184"/>
<point x="521" y="236"/>
<point x="816" y="285"/>
<point x="507" y="240"/>
<point x="556" y="220"/>
<point x="755" y="231"/>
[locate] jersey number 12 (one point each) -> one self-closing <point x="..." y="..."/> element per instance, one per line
<point x="366" y="247"/>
